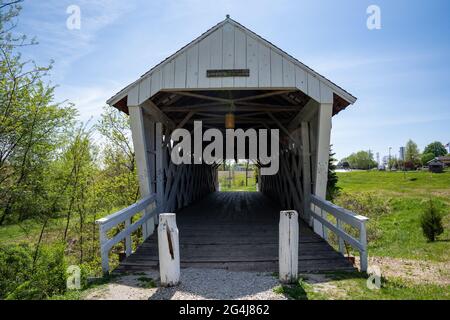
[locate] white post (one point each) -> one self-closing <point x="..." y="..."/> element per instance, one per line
<point x="159" y="168"/>
<point x="128" y="239"/>
<point x="103" y="252"/>
<point x="363" y="241"/>
<point x="324" y="115"/>
<point x="141" y="147"/>
<point x="288" y="246"/>
<point x="340" y="240"/>
<point x="169" y="253"/>
<point x="306" y="171"/>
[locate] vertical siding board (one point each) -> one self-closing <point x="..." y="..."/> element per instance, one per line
<point x="313" y="87"/>
<point x="326" y="94"/>
<point x="228" y="52"/>
<point x="168" y="75"/>
<point x="204" y="50"/>
<point x="276" y="69"/>
<point x="216" y="57"/>
<point x="301" y="80"/>
<point x="144" y="89"/>
<point x="288" y="73"/>
<point x="156" y="82"/>
<point x="180" y="71"/>
<point x="252" y="62"/>
<point x="133" y="96"/>
<point x="192" y="67"/>
<point x="264" y="65"/>
<point x="240" y="56"/>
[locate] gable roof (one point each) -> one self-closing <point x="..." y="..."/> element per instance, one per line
<point x="316" y="77"/>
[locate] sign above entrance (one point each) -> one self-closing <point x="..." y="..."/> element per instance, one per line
<point x="216" y="73"/>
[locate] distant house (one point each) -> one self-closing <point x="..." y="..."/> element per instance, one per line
<point x="445" y="160"/>
<point x="436" y="165"/>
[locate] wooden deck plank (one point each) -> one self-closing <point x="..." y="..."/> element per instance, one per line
<point x="237" y="231"/>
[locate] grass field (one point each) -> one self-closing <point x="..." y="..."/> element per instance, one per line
<point x="413" y="268"/>
<point x="237" y="181"/>
<point x="405" y="196"/>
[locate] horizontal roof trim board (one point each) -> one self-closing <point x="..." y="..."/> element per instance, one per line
<point x="269" y="68"/>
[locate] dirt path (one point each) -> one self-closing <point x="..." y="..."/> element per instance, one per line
<point x="195" y="284"/>
<point x="415" y="271"/>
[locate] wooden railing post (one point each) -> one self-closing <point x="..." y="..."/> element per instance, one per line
<point x="104" y="254"/>
<point x="128" y="243"/>
<point x="340" y="240"/>
<point x="168" y="247"/>
<point x="288" y="246"/>
<point x="363" y="252"/>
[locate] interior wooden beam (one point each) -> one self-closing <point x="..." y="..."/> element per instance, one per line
<point x="303" y="115"/>
<point x="283" y="128"/>
<point x="201" y="96"/>
<point x="185" y="120"/>
<point x="263" y="95"/>
<point x="153" y="110"/>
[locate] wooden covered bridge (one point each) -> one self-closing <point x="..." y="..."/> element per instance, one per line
<point x="231" y="77"/>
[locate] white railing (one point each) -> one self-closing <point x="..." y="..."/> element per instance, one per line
<point x="343" y="216"/>
<point x="125" y="215"/>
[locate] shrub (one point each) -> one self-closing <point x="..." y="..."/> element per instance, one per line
<point x="431" y="222"/>
<point x="20" y="279"/>
<point x="369" y="205"/>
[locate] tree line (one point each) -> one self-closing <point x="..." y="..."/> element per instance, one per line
<point x="51" y="167"/>
<point x="413" y="158"/>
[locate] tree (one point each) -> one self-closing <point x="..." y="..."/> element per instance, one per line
<point x="436" y="148"/>
<point x="361" y="160"/>
<point x="412" y="153"/>
<point x="427" y="157"/>
<point x="118" y="181"/>
<point x="332" y="188"/>
<point x="431" y="222"/>
<point x="32" y="127"/>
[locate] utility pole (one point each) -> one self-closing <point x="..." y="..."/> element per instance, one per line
<point x="389" y="162"/>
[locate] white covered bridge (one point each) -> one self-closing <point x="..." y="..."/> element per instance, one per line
<point x="231" y="74"/>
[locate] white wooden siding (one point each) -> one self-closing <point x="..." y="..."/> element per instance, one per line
<point x="240" y="56"/>
<point x="204" y="61"/>
<point x="252" y="62"/>
<point x="228" y="44"/>
<point x="230" y="47"/>
<point x="216" y="57"/>
<point x="192" y="69"/>
<point x="276" y="69"/>
<point x="180" y="71"/>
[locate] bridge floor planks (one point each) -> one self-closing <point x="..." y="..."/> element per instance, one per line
<point x="236" y="231"/>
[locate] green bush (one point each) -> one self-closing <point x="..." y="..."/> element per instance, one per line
<point x="431" y="222"/>
<point x="367" y="204"/>
<point x="20" y="279"/>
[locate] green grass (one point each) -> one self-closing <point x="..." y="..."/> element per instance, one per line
<point x="28" y="230"/>
<point x="409" y="184"/>
<point x="407" y="196"/>
<point x="353" y="286"/>
<point x="147" y="282"/>
<point x="237" y="182"/>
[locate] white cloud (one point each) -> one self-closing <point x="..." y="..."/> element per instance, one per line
<point x="89" y="101"/>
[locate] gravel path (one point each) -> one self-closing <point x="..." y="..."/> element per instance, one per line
<point x="196" y="284"/>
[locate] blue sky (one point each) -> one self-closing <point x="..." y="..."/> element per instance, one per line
<point x="400" y="74"/>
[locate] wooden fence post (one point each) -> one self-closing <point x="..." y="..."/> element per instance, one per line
<point x="363" y="252"/>
<point x="103" y="252"/>
<point x="169" y="253"/>
<point x="288" y="246"/>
